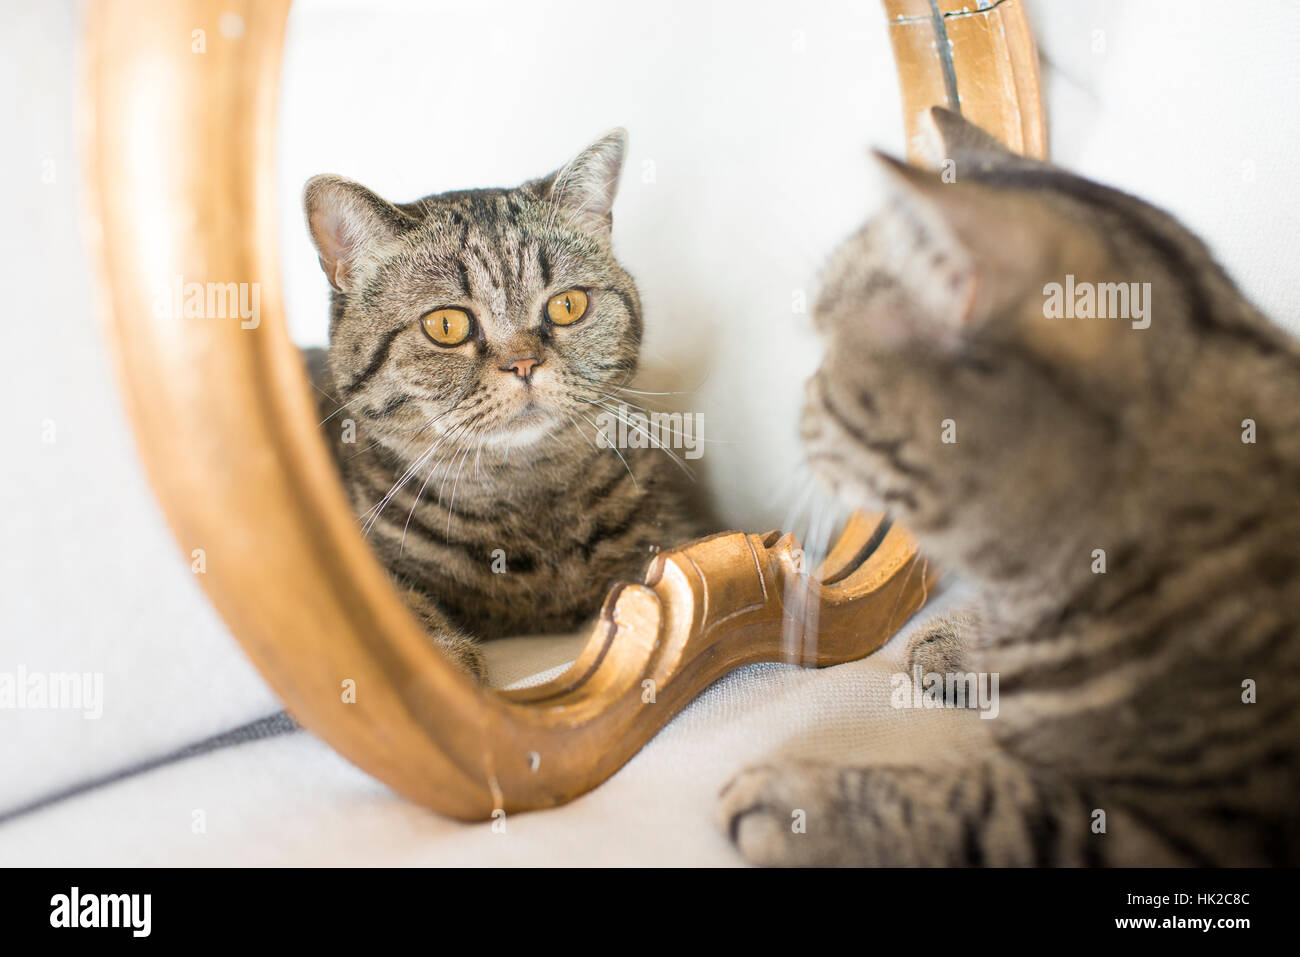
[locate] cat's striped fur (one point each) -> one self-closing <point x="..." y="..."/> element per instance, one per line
<point x="485" y="492"/>
<point x="1123" y="692"/>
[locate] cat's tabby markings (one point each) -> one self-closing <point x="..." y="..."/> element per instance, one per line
<point x="1123" y="692"/>
<point x="474" y="338"/>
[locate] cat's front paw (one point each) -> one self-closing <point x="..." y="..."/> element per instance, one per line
<point x="938" y="649"/>
<point x="777" y="815"/>
<point x="464" y="652"/>
<point x="460" y="648"/>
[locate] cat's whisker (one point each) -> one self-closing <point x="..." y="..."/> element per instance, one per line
<point x="824" y="526"/>
<point x="449" y="457"/>
<point x="678" y="432"/>
<point x="406" y="477"/>
<point x="796" y="586"/>
<point x="412" y="468"/>
<point x="373" y="514"/>
<point x="793" y="617"/>
<point x="798" y="596"/>
<point x="620" y="401"/>
<point x="449" y="460"/>
<point x="617" y="388"/>
<point x="451" y="506"/>
<point x="623" y="386"/>
<point x="478" y="431"/>
<point x="341" y="405"/>
<point x="415" y="504"/>
<point x="417" y="429"/>
<point x="412" y="432"/>
<point x="654" y="442"/>
<point x="614" y="446"/>
<point x="673" y="430"/>
<point x="584" y="435"/>
<point x="411" y="514"/>
<point x="377" y="509"/>
<point x="334" y="399"/>
<point x="416" y="463"/>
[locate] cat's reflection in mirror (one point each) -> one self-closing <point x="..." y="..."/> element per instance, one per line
<point x="478" y="340"/>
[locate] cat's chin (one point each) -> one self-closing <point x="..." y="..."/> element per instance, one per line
<point x="522" y="431"/>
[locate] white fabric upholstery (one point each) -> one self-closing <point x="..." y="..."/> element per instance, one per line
<point x="292" y="801"/>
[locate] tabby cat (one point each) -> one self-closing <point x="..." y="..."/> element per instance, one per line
<point x="1125" y="501"/>
<point x="475" y="339"/>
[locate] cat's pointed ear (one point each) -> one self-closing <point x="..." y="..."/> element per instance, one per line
<point x="979" y="247"/>
<point x="348" y="224"/>
<point x="956" y="214"/>
<point x="584" y="189"/>
<point x="952" y="137"/>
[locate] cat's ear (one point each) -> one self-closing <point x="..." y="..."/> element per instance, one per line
<point x="584" y="189"/>
<point x="950" y="136"/>
<point x="348" y="223"/>
<point x="980" y="246"/>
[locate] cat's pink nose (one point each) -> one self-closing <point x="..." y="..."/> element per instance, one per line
<point x="522" y="367"/>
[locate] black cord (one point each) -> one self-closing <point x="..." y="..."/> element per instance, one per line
<point x="269" y="727"/>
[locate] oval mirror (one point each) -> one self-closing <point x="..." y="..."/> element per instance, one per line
<point x="729" y="199"/>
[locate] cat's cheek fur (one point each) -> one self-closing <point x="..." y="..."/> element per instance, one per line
<point x="839" y="463"/>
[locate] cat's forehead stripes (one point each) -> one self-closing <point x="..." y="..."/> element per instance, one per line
<point x="501" y="259"/>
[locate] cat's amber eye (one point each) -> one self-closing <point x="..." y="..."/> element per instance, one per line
<point x="567" y="308"/>
<point x="448" y="327"/>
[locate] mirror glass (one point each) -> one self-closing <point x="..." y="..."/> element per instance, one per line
<point x="748" y="125"/>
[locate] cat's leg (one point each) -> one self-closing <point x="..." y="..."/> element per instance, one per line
<point x="943" y="645"/>
<point x="990" y="811"/>
<point x="939" y="648"/>
<point x="452" y="641"/>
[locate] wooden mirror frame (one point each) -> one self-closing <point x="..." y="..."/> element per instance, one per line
<point x="180" y="159"/>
